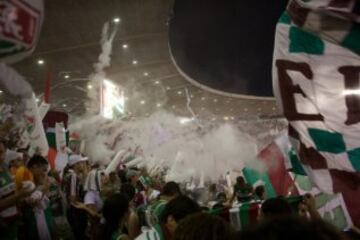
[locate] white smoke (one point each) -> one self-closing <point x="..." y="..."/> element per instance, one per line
<point x="185" y="149"/>
<point x="104" y="61"/>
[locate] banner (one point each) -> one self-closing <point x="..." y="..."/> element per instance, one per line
<point x="274" y="157"/>
<point x="255" y="178"/>
<point x="61" y="160"/>
<point x="50" y="122"/>
<point x="115" y="162"/>
<point x="34" y="126"/>
<point x="43" y="109"/>
<point x="55" y="123"/>
<point x="244" y="215"/>
<point x="20" y="24"/>
<point x="316" y="71"/>
<point x="60" y="136"/>
<point x="14" y="83"/>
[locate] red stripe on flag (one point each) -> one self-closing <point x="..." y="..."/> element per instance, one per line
<point x="48" y="87"/>
<point x="53" y="117"/>
<point x="51" y="157"/>
<point x="280" y="178"/>
<point x="340" y="3"/>
<point x="253" y="213"/>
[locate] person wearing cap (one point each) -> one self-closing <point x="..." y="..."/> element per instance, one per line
<point x="74" y="190"/>
<point x="13" y="160"/>
<point x="133" y="177"/>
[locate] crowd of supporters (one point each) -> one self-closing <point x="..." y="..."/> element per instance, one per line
<point x="84" y="202"/>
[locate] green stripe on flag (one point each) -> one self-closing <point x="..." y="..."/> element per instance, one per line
<point x="51" y="138"/>
<point x="6" y="44"/>
<point x="305" y="42"/>
<point x="303" y="183"/>
<point x="295" y="164"/>
<point x="326" y="141"/>
<point x="253" y="177"/>
<point x="244" y="212"/>
<point x="351" y="41"/>
<point x="248" y="213"/>
<point x="354" y="157"/>
<point x="285" y="18"/>
<point x="67" y="137"/>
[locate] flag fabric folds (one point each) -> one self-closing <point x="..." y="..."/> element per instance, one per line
<point x="316" y="70"/>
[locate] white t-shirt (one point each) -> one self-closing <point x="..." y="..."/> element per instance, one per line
<point x="93" y="197"/>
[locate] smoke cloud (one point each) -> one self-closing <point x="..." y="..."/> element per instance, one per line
<point x="107" y="38"/>
<point x="172" y="142"/>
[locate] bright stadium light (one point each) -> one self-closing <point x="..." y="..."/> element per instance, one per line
<point x="351" y="92"/>
<point x="185" y="120"/>
<point x="112" y="100"/>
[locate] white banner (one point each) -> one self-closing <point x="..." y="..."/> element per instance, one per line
<point x="35" y="127"/>
<point x="43" y="109"/>
<point x="20" y="22"/>
<point x="60" y="135"/>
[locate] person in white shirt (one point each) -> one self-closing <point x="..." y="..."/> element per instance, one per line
<point x="92" y="201"/>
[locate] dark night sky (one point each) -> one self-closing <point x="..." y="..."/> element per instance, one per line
<point x="226" y="44"/>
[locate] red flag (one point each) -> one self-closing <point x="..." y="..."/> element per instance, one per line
<point x="280" y="178"/>
<point x="48" y="87"/>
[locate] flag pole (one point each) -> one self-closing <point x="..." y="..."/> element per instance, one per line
<point x="47" y="90"/>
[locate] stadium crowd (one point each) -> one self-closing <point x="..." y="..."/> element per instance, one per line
<point x="84" y="202"/>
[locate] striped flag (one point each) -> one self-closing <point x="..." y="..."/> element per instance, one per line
<point x="55" y="124"/>
<point x="35" y="127"/>
<point x="244" y="215"/>
<point x="255" y="179"/>
<point x="316" y="70"/>
<point x="277" y="180"/>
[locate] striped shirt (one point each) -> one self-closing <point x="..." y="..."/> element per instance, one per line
<point x="73" y="186"/>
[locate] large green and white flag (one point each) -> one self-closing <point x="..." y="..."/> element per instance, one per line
<point x="316" y="71"/>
